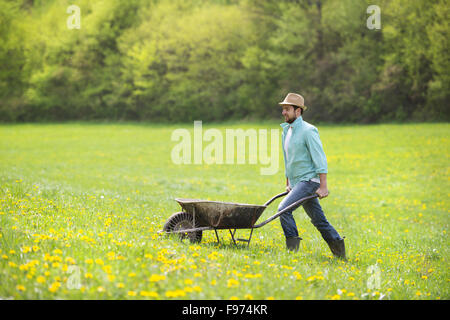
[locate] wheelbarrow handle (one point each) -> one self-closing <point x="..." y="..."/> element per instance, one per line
<point x="276" y="197"/>
<point x="292" y="206"/>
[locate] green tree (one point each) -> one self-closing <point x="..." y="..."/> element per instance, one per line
<point x="12" y="60"/>
<point x="181" y="60"/>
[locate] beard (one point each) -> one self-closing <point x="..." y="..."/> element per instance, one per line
<point x="291" y="119"/>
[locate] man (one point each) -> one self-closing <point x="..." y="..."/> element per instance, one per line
<point x="306" y="174"/>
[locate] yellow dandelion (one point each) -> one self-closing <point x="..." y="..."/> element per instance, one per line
<point x="311" y="278"/>
<point x="107" y="269"/>
<point x="70" y="260"/>
<point x="297" y="275"/>
<point x="40" y="279"/>
<point x="20" y="287"/>
<point x="175" y="293"/>
<point x="54" y="287"/>
<point x="111" y="277"/>
<point x="131" y="293"/>
<point x="156" y="278"/>
<point x="150" y="294"/>
<point x="232" y="283"/>
<point x="197" y="288"/>
<point x="25" y="249"/>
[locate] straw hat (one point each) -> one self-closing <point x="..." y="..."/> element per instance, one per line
<point x="295" y="100"/>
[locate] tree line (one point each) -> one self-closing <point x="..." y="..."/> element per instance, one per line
<point x="185" y="60"/>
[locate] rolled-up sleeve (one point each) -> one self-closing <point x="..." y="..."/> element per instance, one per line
<point x="316" y="150"/>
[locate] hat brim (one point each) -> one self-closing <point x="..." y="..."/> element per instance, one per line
<point x="290" y="104"/>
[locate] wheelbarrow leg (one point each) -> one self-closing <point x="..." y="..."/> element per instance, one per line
<point x="247" y="240"/>
<point x="217" y="236"/>
<point x="239" y="239"/>
<point x="248" y="243"/>
<point x="232" y="236"/>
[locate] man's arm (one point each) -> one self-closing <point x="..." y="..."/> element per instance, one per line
<point x="319" y="159"/>
<point x="315" y="149"/>
<point x="323" y="189"/>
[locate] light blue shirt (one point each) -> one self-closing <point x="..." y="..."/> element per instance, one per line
<point x="306" y="156"/>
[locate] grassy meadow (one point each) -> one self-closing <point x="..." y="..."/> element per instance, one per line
<point x="81" y="204"/>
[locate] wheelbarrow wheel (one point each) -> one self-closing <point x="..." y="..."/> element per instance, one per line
<point x="181" y="221"/>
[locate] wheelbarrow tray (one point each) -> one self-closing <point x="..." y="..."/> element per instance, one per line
<point x="222" y="215"/>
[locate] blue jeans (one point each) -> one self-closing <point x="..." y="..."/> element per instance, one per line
<point x="312" y="208"/>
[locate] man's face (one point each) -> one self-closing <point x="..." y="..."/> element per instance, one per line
<point x="290" y="114"/>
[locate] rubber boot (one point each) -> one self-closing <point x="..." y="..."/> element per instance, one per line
<point x="337" y="247"/>
<point x="292" y="243"/>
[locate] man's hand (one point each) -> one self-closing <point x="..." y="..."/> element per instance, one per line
<point x="288" y="189"/>
<point x="323" y="189"/>
<point x="322" y="192"/>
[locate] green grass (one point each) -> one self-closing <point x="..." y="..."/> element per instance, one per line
<point x="84" y="202"/>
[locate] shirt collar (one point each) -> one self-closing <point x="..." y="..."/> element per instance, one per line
<point x="297" y="123"/>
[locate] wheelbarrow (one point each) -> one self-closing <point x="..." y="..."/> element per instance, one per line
<point x="201" y="215"/>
